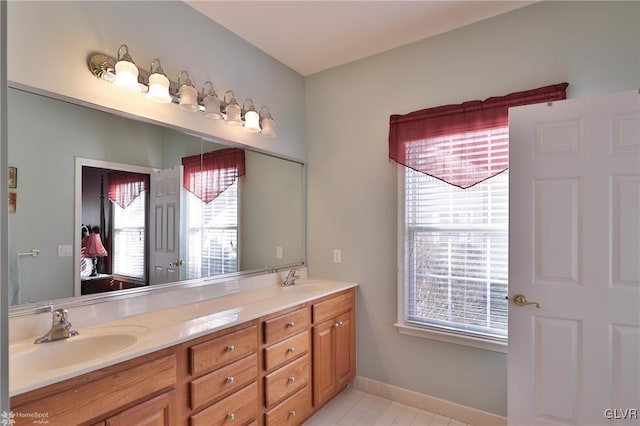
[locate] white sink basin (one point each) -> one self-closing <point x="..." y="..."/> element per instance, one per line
<point x="91" y="344"/>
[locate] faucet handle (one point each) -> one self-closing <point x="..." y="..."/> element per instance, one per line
<point x="60" y="315"/>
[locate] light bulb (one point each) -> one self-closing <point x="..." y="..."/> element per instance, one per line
<point x="252" y="122"/>
<point x="127" y="76"/>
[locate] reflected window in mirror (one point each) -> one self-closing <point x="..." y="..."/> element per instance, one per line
<point x="128" y="194"/>
<point x="212" y="182"/>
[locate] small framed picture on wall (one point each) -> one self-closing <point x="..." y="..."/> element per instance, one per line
<point x="13" y="177"/>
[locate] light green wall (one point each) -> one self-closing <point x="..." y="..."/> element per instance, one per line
<point x="352" y="188"/>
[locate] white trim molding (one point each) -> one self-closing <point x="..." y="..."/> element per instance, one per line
<point x="458" y="339"/>
<point x="429" y="403"/>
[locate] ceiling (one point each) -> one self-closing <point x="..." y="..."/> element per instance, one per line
<point x="312" y="36"/>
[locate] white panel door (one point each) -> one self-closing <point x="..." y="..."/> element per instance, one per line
<point x="574" y="248"/>
<point x="166" y="263"/>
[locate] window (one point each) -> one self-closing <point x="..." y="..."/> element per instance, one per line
<point x="453" y="213"/>
<point x="213" y="234"/>
<point x="212" y="199"/>
<point x="129" y="238"/>
<point x="456" y="255"/>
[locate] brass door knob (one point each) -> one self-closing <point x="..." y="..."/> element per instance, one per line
<point x="521" y="300"/>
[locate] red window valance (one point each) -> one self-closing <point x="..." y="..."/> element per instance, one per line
<point x="124" y="187"/>
<point x="207" y="176"/>
<point x="461" y="144"/>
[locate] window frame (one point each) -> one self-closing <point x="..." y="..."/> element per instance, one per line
<point x="432" y="333"/>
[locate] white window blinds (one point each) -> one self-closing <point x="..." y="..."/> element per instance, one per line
<point x="129" y="238"/>
<point x="213" y="234"/>
<point x="456" y="250"/>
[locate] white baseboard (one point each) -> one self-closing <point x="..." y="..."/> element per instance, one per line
<point x="429" y="403"/>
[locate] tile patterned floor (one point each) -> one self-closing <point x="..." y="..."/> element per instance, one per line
<point x="353" y="407"/>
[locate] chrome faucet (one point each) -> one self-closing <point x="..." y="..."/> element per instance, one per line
<point x="291" y="278"/>
<point x="60" y="328"/>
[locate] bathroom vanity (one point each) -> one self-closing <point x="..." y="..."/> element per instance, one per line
<point x="269" y="356"/>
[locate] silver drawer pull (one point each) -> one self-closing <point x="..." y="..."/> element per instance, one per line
<point x="291" y="349"/>
<point x="336" y="325"/>
<point x="292" y="379"/>
<point x="292" y="413"/>
<point x="231" y="417"/>
<point x="230" y="379"/>
<point x="231" y="348"/>
<point x="291" y="324"/>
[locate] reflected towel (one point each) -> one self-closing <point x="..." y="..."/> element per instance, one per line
<point x="14" y="279"/>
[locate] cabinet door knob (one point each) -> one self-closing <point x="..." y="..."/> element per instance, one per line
<point x="336" y="325"/>
<point x="292" y="349"/>
<point x="230" y="379"/>
<point x="340" y="323"/>
<point x="231" y="348"/>
<point x="292" y="413"/>
<point x="292" y="379"/>
<point x="290" y="324"/>
<point x="231" y="417"/>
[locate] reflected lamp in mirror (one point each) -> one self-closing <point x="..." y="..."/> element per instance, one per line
<point x="94" y="248"/>
<point x="126" y="71"/>
<point x="267" y="122"/>
<point x="158" y="84"/>
<point x="187" y="93"/>
<point x="251" y="117"/>
<point x="211" y="102"/>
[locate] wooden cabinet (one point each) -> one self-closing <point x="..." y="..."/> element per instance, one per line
<point x="333" y="346"/>
<point x="158" y="411"/>
<point x="142" y="388"/>
<point x="272" y="371"/>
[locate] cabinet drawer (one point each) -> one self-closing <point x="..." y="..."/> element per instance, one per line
<point x="292" y="411"/>
<point x="278" y="328"/>
<point x="223" y="381"/>
<point x="286" y="380"/>
<point x="223" y="350"/>
<point x="238" y="408"/>
<point x="332" y="307"/>
<point x="286" y="350"/>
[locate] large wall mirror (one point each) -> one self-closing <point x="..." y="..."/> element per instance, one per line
<point x="158" y="202"/>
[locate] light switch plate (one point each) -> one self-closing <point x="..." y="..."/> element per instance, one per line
<point x="65" y="251"/>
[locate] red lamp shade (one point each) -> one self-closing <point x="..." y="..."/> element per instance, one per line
<point x="94" y="247"/>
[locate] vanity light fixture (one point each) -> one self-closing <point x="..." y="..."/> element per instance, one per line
<point x="267" y="122"/>
<point x="188" y="94"/>
<point x="232" y="109"/>
<point x="158" y="84"/>
<point x="251" y="117"/>
<point x="211" y="102"/>
<point x="126" y="71"/>
<point x="122" y="72"/>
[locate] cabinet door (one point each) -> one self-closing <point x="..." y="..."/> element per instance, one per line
<point x="344" y="349"/>
<point x="158" y="411"/>
<point x="324" y="377"/>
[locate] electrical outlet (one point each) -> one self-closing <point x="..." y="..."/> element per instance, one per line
<point x="279" y="252"/>
<point x="337" y="256"/>
<point x="65" y="251"/>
